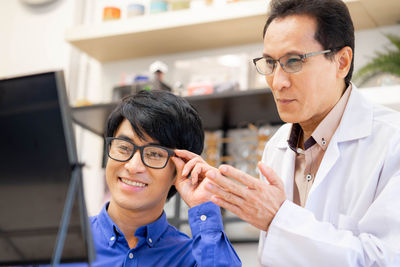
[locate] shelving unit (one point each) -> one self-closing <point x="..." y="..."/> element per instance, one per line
<point x="189" y="30"/>
<point x="218" y="111"/>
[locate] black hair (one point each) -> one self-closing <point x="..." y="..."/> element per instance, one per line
<point x="335" y="28"/>
<point x="165" y="117"/>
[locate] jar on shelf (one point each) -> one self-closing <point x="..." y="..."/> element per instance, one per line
<point x="179" y="4"/>
<point x="111" y="13"/>
<point x="135" y="9"/>
<point x="158" y="6"/>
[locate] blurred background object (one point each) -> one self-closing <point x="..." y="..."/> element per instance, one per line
<point x="111" y="13"/>
<point x="158" y="69"/>
<point x="384" y="68"/>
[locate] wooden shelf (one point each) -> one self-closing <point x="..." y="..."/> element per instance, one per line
<point x="171" y="32"/>
<point x="218" y="111"/>
<point x="188" y="30"/>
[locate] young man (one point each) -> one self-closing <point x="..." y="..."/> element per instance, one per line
<point x="132" y="229"/>
<point x="330" y="190"/>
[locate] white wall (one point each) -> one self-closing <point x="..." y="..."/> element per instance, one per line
<point x="32" y="39"/>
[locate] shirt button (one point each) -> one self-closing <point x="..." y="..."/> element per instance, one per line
<point x="131" y="255"/>
<point x="112" y="238"/>
<point x="203" y="217"/>
<point x="323" y="142"/>
<point x="308" y="177"/>
<point x="150" y="240"/>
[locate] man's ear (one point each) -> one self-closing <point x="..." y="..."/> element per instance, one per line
<point x="344" y="57"/>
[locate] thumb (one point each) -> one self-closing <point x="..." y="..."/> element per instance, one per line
<point x="179" y="164"/>
<point x="270" y="175"/>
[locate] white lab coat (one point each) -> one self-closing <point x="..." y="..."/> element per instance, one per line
<point x="352" y="214"/>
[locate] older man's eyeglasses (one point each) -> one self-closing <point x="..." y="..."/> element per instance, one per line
<point x="153" y="156"/>
<point x="289" y="63"/>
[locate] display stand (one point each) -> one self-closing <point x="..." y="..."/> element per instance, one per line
<point x="75" y="189"/>
<point x="44" y="218"/>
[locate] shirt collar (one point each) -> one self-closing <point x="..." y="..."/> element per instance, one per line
<point x="108" y="227"/>
<point x="324" y="131"/>
<point x="327" y="127"/>
<point x="294" y="138"/>
<point x="151" y="232"/>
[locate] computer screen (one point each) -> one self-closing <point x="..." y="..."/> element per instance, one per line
<point x="37" y="153"/>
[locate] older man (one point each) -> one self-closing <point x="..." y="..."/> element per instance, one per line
<point x="329" y="194"/>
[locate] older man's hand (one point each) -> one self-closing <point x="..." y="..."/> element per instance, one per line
<point x="251" y="199"/>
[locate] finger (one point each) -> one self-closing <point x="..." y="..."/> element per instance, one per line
<point x="185" y="154"/>
<point x="190" y="165"/>
<point x="224" y="195"/>
<point x="199" y="172"/>
<point x="194" y="174"/>
<point x="270" y="175"/>
<point x="226" y="205"/>
<point x="226" y="184"/>
<point x="240" y="176"/>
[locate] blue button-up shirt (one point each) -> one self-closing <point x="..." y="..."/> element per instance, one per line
<point x="161" y="244"/>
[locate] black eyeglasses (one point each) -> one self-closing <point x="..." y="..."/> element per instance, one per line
<point x="289" y="63"/>
<point x="153" y="156"/>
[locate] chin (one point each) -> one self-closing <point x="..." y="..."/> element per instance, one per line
<point x="289" y="118"/>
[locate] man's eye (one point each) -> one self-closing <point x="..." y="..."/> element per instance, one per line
<point x="293" y="60"/>
<point x="269" y="61"/>
<point x="153" y="155"/>
<point x="124" y="149"/>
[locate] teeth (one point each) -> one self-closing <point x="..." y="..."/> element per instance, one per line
<point x="126" y="181"/>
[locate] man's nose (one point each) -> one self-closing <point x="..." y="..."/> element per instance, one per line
<point x="280" y="78"/>
<point x="135" y="164"/>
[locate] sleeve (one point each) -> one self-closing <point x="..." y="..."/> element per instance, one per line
<point x="296" y="238"/>
<point x="211" y="246"/>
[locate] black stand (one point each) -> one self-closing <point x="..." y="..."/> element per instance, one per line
<point x="75" y="189"/>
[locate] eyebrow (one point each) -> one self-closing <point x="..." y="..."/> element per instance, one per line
<point x="122" y="136"/>
<point x="291" y="52"/>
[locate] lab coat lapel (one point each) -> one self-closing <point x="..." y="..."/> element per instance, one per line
<point x="288" y="172"/>
<point x="356" y="123"/>
<point x="288" y="165"/>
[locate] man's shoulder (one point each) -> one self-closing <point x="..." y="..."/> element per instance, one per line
<point x="381" y="115"/>
<point x="386" y="117"/>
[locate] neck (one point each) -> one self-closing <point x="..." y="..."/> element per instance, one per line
<point x="128" y="221"/>
<point x="310" y="125"/>
<point x="307" y="130"/>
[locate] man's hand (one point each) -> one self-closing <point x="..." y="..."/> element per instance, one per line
<point x="192" y="190"/>
<point x="251" y="199"/>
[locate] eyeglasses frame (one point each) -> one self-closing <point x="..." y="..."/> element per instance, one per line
<point x="302" y="57"/>
<point x="108" y="141"/>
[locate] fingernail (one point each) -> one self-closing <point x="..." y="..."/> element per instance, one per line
<point x="224" y="169"/>
<point x="211" y="174"/>
<point x="209" y="186"/>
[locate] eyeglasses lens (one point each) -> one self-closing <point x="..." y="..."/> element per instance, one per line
<point x="153" y="156"/>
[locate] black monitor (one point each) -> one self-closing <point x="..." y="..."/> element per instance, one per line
<point x="37" y="159"/>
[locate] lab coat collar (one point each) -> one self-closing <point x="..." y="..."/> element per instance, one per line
<point x="356" y="123"/>
<point x="357" y="118"/>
